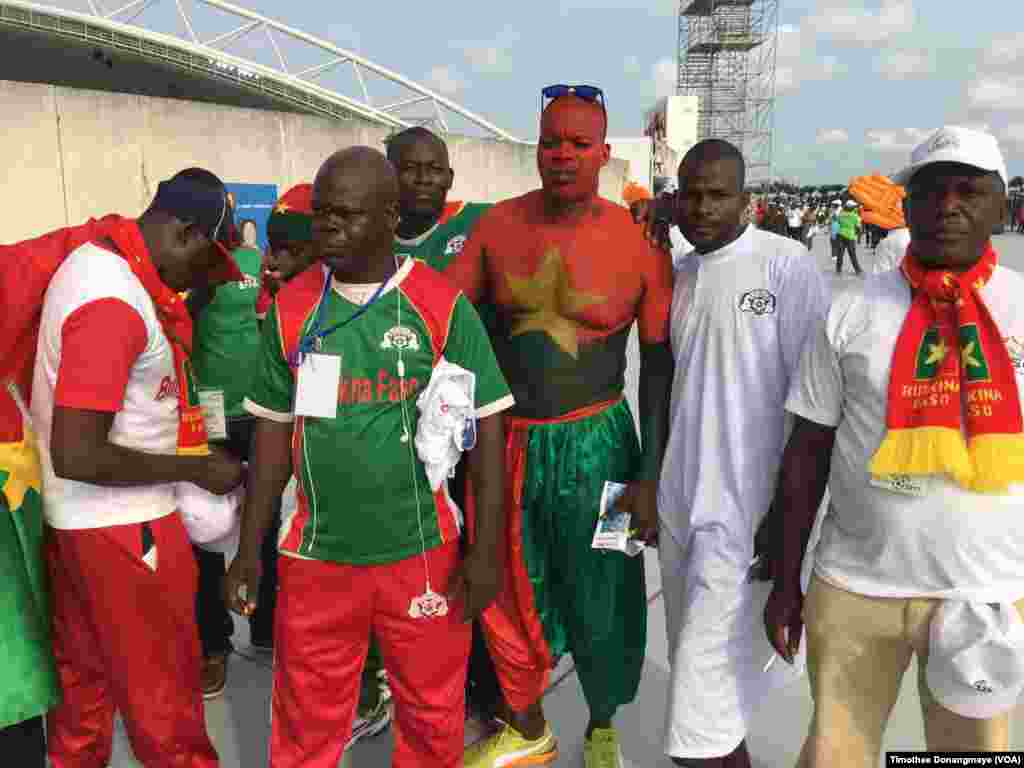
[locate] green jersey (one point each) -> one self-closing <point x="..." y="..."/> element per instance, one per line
<point x="362" y="490"/>
<point x="443" y="241"/>
<point x="226" y="344"/>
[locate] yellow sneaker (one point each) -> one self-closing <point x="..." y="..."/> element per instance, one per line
<point x="507" y="748"/>
<point x="601" y="750"/>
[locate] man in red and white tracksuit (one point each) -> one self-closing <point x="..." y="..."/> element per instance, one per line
<point x="119" y="424"/>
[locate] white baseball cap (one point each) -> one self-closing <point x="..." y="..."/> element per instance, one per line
<point x="953" y="144"/>
<point x="976" y="658"/>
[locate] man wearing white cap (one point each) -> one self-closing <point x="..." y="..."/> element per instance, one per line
<point x="908" y="404"/>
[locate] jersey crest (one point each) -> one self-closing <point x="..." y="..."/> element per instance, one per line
<point x="401" y="337"/>
<point x="757" y="302"/>
<point x="455" y="245"/>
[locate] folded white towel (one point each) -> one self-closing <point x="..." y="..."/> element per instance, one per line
<point x="212" y="521"/>
<point x="447" y="424"/>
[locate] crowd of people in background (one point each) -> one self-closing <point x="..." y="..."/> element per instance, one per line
<point x="399" y="427"/>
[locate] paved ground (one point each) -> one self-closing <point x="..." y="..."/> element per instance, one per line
<point x="239" y="726"/>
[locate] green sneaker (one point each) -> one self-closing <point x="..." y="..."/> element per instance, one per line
<point x="507" y="749"/>
<point x="601" y="750"/>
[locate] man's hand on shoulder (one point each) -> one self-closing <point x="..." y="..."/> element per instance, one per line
<point x="655" y="216"/>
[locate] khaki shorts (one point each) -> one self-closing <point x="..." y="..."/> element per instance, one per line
<point x="858" y="648"/>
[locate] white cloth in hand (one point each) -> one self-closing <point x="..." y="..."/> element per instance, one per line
<point x="212" y="521"/>
<point x="447" y="408"/>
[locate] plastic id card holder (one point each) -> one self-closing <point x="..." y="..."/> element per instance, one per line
<point x="212" y="403"/>
<point x="316" y="391"/>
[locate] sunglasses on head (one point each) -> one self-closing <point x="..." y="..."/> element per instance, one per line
<point x="590" y="93"/>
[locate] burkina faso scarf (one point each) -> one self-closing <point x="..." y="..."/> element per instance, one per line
<point x="951" y="375"/>
<point x="175" y="322"/>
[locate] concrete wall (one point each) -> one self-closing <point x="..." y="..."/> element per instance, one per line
<point x="76" y="153"/>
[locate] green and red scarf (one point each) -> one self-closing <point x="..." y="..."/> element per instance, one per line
<point x="951" y="375"/>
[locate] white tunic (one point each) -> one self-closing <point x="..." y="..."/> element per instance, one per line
<point x="740" y="318"/>
<point x="889" y="253"/>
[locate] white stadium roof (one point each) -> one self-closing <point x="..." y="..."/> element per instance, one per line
<point x="220" y="41"/>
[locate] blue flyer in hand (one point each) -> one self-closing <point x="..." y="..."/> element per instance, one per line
<point x="613" y="525"/>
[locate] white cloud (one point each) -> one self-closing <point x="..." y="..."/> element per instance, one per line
<point x="836" y="20"/>
<point x="833" y="136"/>
<point x="896" y="139"/>
<point x="665" y="77"/>
<point x="797" y="60"/>
<point x="489" y="58"/>
<point x="1007" y="50"/>
<point x="904" y="64"/>
<point x="1014" y="134"/>
<point x="996" y="93"/>
<point x="653" y="8"/>
<point x="445" y="80"/>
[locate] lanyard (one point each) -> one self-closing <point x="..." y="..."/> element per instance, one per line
<point x="311" y="339"/>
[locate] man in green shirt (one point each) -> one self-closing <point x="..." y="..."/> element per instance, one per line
<point x="226" y="347"/>
<point x="849" y="232"/>
<point x="347" y="347"/>
<point x="290" y="253"/>
<point x="434" y="231"/>
<point x="429" y="227"/>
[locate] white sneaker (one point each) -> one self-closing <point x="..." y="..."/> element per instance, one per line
<point x="376" y="720"/>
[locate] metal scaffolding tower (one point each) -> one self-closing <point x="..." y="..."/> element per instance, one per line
<point x="727" y="59"/>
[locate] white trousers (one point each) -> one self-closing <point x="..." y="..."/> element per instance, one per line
<point x="717" y="647"/>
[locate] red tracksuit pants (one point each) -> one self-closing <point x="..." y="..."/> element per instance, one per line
<point x="324" y="616"/>
<point x="125" y="639"/>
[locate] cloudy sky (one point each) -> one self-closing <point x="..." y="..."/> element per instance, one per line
<point x="858" y="83"/>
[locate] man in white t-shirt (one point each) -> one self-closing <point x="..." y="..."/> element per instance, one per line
<point x="903" y="350"/>
<point x="741" y="308"/>
<point x="795" y="221"/>
<point x="891" y="250"/>
<point x="119" y="424"/>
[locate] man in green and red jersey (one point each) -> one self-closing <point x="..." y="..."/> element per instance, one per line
<point x="569" y="273"/>
<point x="289" y="253"/>
<point x="429" y="227"/>
<point x="371" y="546"/>
<point x="434" y="230"/>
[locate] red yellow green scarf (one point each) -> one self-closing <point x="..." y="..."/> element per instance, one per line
<point x="176" y="324"/>
<point x="951" y="374"/>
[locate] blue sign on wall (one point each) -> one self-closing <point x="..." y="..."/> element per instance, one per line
<point x="253" y="203"/>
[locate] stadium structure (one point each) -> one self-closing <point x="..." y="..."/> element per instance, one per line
<point x="726" y="59"/>
<point x="218" y="52"/>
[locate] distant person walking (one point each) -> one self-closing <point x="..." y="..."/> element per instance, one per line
<point x="849" y="232"/>
<point x="794" y="219"/>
